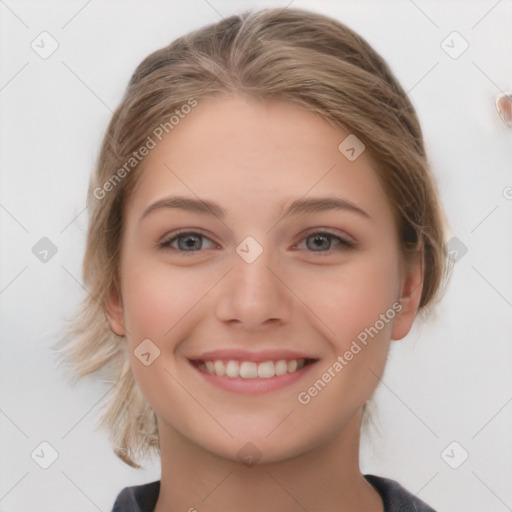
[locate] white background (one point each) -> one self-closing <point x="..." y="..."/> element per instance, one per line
<point x="450" y="380"/>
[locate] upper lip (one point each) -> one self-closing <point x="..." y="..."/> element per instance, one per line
<point x="244" y="355"/>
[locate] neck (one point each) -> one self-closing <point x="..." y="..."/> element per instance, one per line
<point x="325" y="478"/>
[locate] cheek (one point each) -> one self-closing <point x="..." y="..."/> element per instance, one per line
<point x="356" y="302"/>
<point x="352" y="297"/>
<point x="157" y="297"/>
<point x="159" y="302"/>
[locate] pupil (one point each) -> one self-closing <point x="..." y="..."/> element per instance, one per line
<point x="191" y="242"/>
<point x="320" y="240"/>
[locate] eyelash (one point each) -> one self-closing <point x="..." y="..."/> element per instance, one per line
<point x="344" y="243"/>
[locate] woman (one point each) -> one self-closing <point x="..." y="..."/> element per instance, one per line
<point x="262" y="224"/>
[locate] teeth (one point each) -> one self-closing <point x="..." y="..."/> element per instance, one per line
<point x="280" y="367"/>
<point x="219" y="368"/>
<point x="248" y="370"/>
<point x="266" y="370"/>
<point x="291" y="366"/>
<point x="232" y="369"/>
<point x="252" y="370"/>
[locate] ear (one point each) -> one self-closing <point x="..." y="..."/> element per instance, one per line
<point x="410" y="296"/>
<point x="115" y="312"/>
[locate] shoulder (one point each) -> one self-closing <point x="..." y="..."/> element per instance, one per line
<point x="139" y="498"/>
<point x="395" y="497"/>
<point x="142" y="498"/>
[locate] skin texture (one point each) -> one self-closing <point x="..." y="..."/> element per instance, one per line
<point x="253" y="157"/>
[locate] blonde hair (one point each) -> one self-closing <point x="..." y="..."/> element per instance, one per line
<point x="293" y="55"/>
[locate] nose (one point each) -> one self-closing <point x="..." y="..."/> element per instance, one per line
<point x="254" y="295"/>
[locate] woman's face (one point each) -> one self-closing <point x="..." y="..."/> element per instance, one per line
<point x="254" y="246"/>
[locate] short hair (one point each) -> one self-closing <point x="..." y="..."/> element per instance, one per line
<point x="293" y="55"/>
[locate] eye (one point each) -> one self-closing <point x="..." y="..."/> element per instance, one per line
<point x="323" y="242"/>
<point x="188" y="241"/>
<point x="192" y="241"/>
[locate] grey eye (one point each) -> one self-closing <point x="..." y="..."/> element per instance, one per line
<point x="186" y="242"/>
<point x="319" y="242"/>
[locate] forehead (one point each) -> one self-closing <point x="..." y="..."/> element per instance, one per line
<point x="243" y="150"/>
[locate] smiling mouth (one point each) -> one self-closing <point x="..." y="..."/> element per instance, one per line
<point x="252" y="370"/>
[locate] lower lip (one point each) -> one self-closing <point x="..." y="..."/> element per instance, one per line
<point x="255" y="386"/>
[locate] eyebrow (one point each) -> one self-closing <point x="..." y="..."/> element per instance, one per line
<point x="298" y="207"/>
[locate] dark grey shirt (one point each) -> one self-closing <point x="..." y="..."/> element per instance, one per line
<point x="142" y="498"/>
